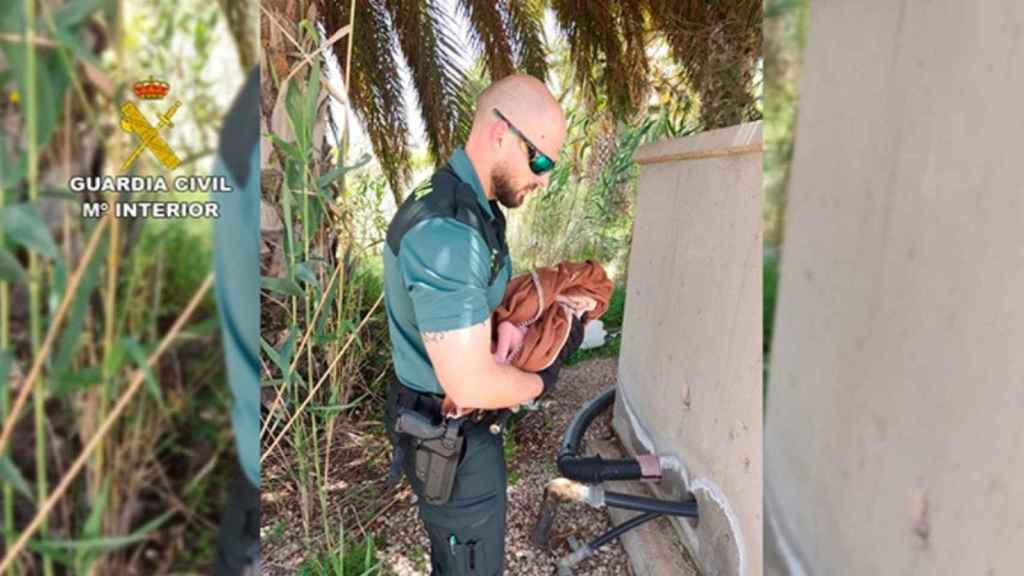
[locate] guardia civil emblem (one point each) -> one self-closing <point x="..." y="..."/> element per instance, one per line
<point x="134" y="122"/>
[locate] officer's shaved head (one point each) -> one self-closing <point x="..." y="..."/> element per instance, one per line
<point x="497" y="153"/>
<point x="526" y="102"/>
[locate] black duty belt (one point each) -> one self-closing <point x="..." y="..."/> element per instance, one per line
<point x="415" y="421"/>
<point x="429" y="406"/>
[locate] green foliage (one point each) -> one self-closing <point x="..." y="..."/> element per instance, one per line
<point x="11" y="271"/>
<point x="53" y="68"/>
<point x="22" y="224"/>
<point x="278" y="530"/>
<point x="366" y="204"/>
<point x="358" y="559"/>
<point x="119" y="313"/>
<point x="139" y="357"/>
<point x="785" y="31"/>
<point x="771" y="286"/>
<point x="201" y="549"/>
<point x="770" y="297"/>
<point x="326" y="284"/>
<point x="285" y="286"/>
<point x="178" y="39"/>
<point x="616" y="309"/>
<point x="586" y="212"/>
<point x="187" y="257"/>
<point x="7" y="362"/>
<point x="419" y="558"/>
<point x="71" y="340"/>
<point x="301" y="107"/>
<point x="81" y="553"/>
<point x="10" y="474"/>
<point x="584" y="216"/>
<point x="511" y="448"/>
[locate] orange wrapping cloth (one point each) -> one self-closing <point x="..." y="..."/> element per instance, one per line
<point x="543" y="301"/>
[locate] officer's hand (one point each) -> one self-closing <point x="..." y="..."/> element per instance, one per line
<point x="449" y="409"/>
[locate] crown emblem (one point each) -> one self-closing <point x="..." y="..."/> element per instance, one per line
<point x="151" y="89"/>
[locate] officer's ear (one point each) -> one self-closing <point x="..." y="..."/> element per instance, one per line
<point x="498" y="132"/>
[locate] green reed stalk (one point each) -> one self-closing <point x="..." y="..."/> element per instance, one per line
<point x="5" y="395"/>
<point x="39" y="393"/>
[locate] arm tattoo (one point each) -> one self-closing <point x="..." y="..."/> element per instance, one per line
<point x="438" y="336"/>
<point x="432" y="336"/>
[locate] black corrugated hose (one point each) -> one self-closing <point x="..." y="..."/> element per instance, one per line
<point x="594" y="470"/>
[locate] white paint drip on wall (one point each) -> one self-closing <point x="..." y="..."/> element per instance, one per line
<point x="715" y="494"/>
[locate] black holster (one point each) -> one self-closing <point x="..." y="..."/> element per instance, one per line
<point x="437" y="460"/>
<point x="414" y="422"/>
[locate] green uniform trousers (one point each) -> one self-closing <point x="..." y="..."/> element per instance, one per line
<point x="467" y="534"/>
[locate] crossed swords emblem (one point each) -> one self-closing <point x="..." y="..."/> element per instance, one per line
<point x="133" y="122"/>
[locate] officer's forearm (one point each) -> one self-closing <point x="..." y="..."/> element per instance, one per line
<point x="498" y="386"/>
<point x="470" y="377"/>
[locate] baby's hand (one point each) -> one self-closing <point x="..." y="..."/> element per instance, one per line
<point x="510" y="340"/>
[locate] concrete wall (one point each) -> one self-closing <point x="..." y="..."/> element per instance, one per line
<point x="690" y="364"/>
<point x="895" y="424"/>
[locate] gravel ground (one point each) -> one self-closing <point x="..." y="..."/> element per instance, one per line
<point x="359" y="501"/>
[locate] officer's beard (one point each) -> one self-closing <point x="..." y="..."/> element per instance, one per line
<point x="504" y="192"/>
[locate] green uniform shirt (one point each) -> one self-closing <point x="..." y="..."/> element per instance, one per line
<point x="236" y="257"/>
<point x="439" y="281"/>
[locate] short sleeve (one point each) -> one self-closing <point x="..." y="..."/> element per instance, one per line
<point x="445" y="266"/>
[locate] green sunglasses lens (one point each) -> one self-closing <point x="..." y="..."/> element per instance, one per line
<point x="540" y="164"/>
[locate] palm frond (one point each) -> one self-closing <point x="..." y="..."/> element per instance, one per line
<point x="489" y="30"/>
<point x="576" y="21"/>
<point x="602" y="69"/>
<point x="424" y="34"/>
<point x="526" y="19"/>
<point x="634" y="57"/>
<point x="375" y="90"/>
<point x="718" y="44"/>
<point x="475" y="82"/>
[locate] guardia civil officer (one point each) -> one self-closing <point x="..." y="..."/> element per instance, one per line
<point x="446" y="266"/>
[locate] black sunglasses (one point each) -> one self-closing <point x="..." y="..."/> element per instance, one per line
<point x="539" y="162"/>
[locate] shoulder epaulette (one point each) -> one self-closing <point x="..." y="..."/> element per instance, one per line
<point x="446" y="196"/>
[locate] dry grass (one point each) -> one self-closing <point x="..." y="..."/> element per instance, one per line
<point x="357" y="499"/>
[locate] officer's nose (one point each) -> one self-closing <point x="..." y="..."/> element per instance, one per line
<point x="545" y="178"/>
